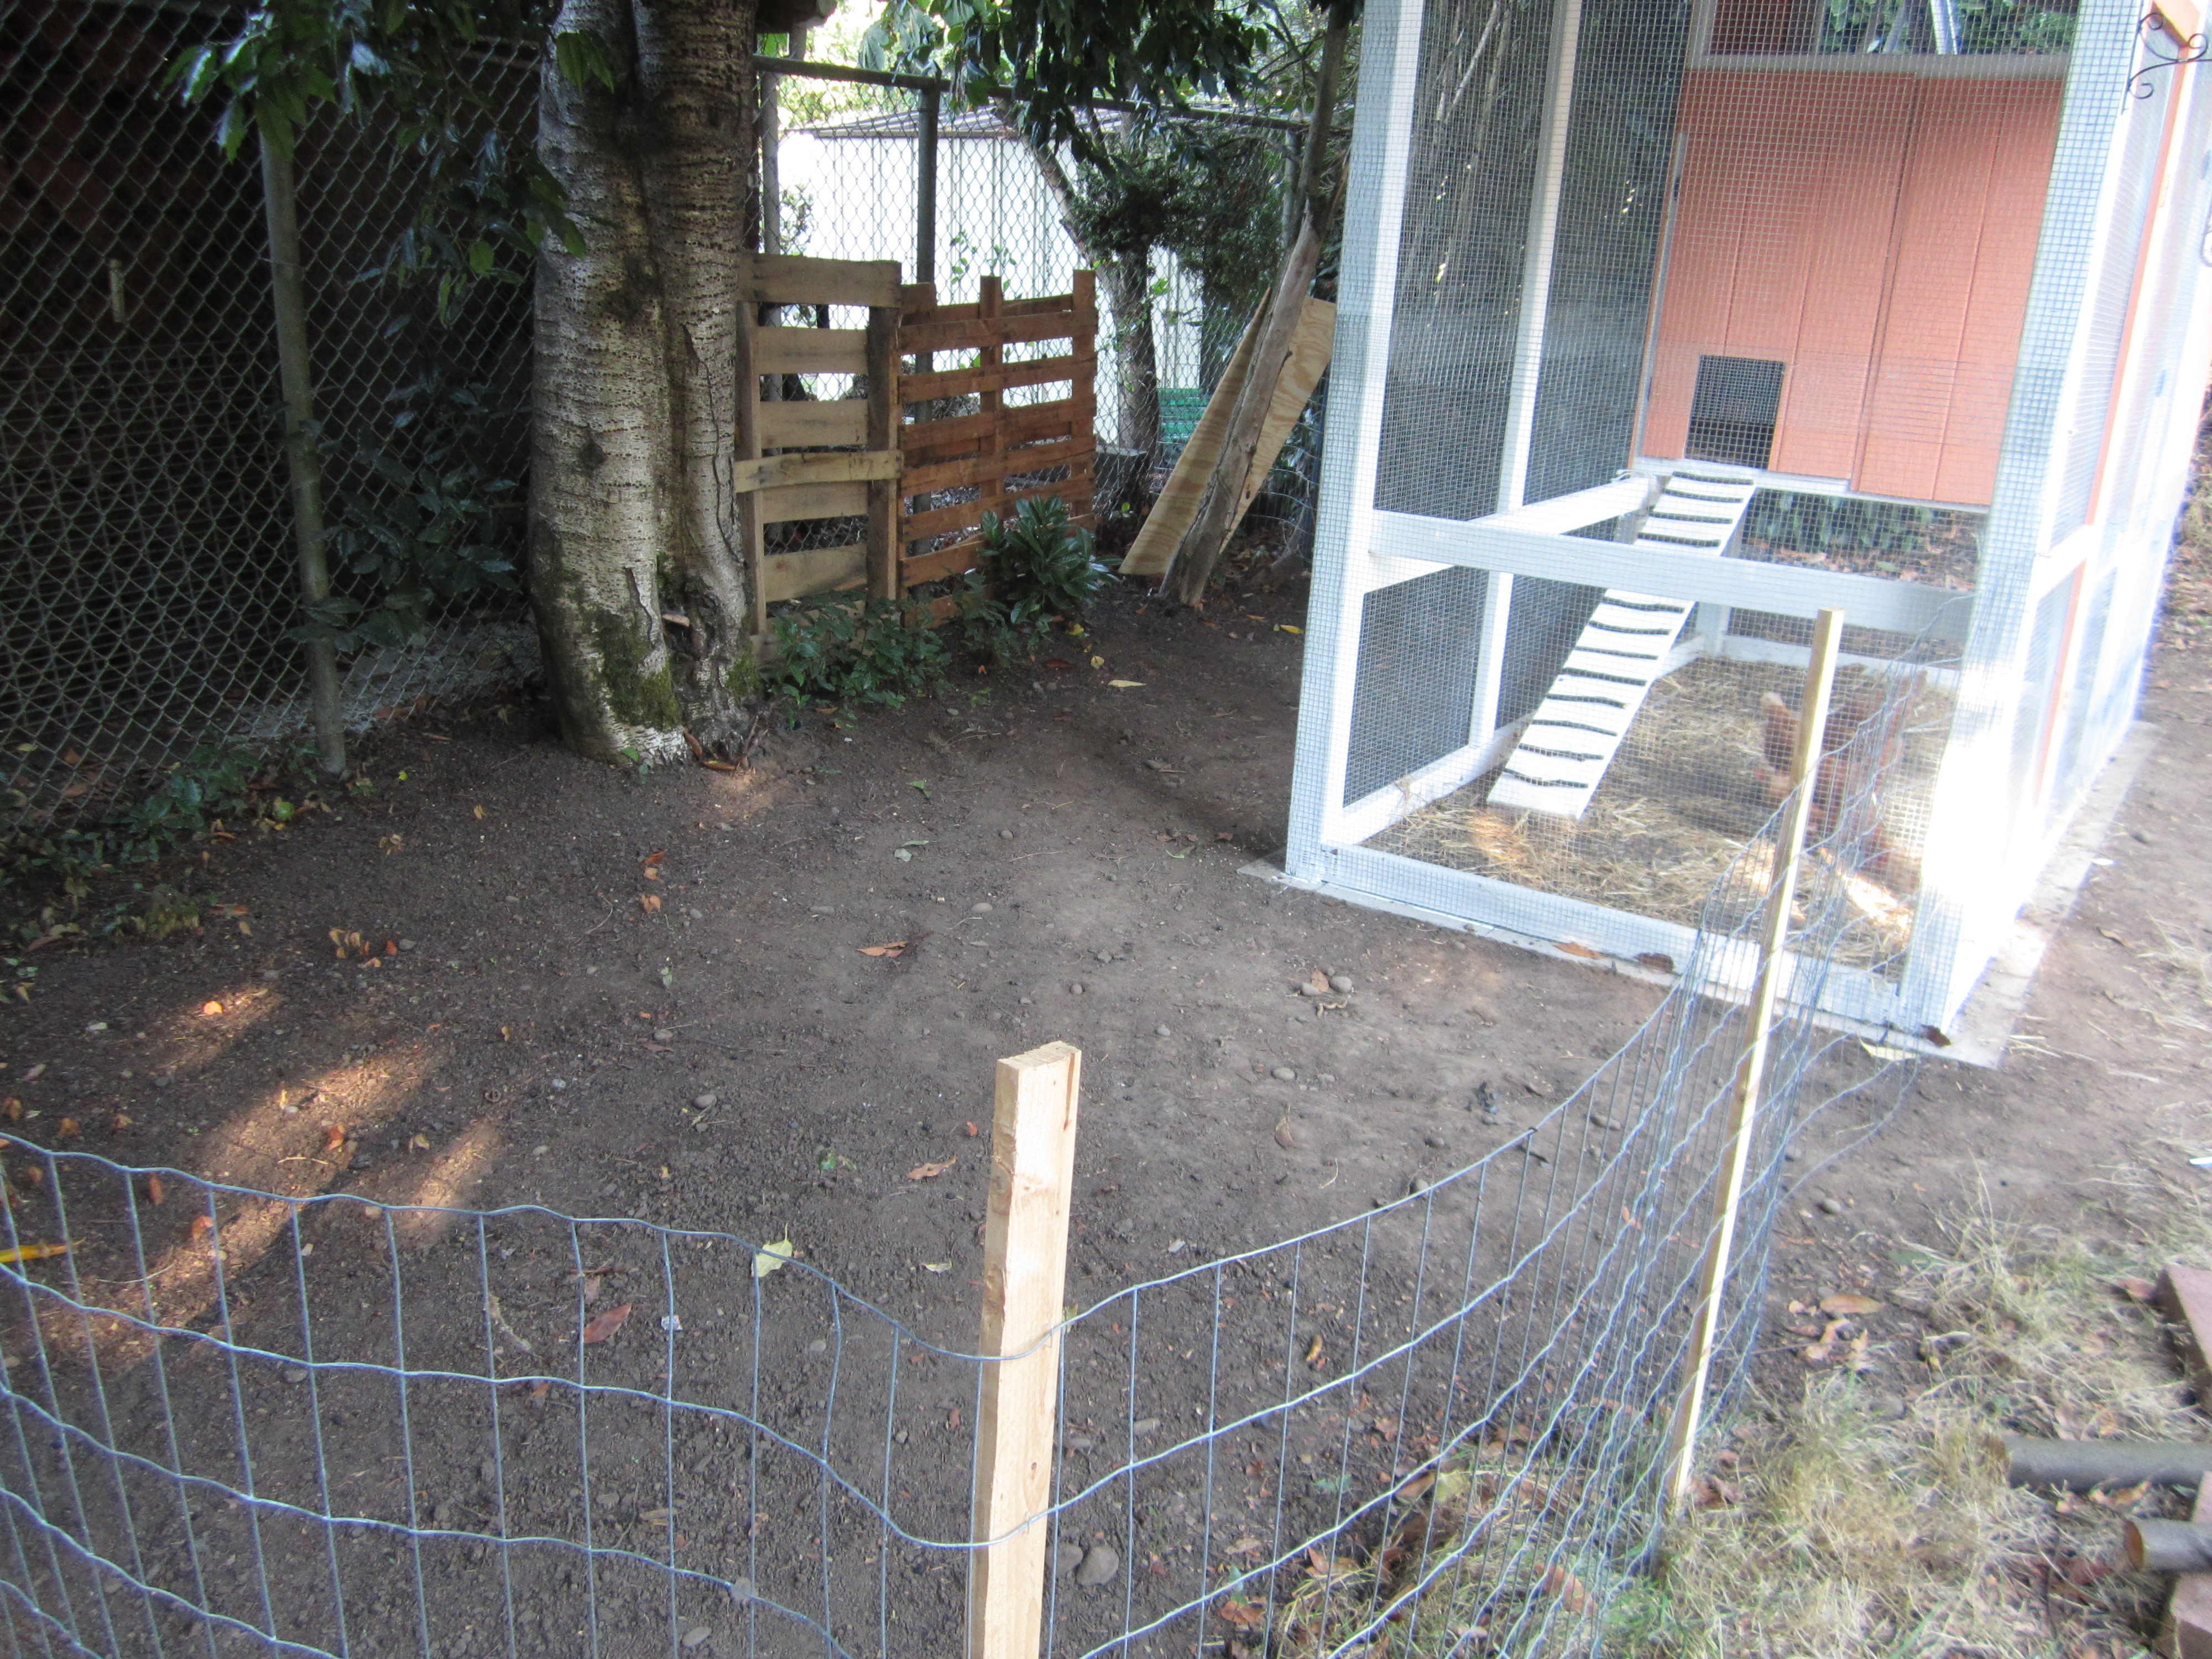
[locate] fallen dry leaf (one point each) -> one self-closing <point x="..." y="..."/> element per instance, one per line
<point x="1125" y="685"/>
<point x="649" y="900"/>
<point x="334" y="1138"/>
<point x="155" y="1191"/>
<point x="931" y="1171"/>
<point x="714" y="765"/>
<point x="606" y="1324"/>
<point x="972" y="1130"/>
<point x="41" y="1252"/>
<point x="210" y="1007"/>
<point x="1575" y="950"/>
<point x="12" y="1109"/>
<point x="1820" y="1351"/>
<point x="1845" y="1305"/>
<point x="652" y="859"/>
<point x="2136" y="1290"/>
<point x="895" y="950"/>
<point x="203" y="1224"/>
<point x="1249" y="1615"/>
<point x="70" y="1129"/>
<point x="1285" y="1138"/>
<point x="770" y="1257"/>
<point x="652" y="874"/>
<point x="1313" y="1353"/>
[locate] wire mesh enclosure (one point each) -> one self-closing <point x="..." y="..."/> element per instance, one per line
<point x="290" y="1418"/>
<point x="1666" y="324"/>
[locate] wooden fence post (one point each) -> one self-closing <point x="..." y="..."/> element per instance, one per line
<point x="1024" y="1276"/>
<point x="1750" y="1069"/>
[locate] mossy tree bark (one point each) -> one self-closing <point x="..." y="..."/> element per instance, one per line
<point x="637" y="573"/>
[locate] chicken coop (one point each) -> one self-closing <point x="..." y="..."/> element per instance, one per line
<point x="1665" y="324"/>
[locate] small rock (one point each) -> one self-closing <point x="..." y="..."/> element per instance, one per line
<point x="1437" y="1141"/>
<point x="980" y="909"/>
<point x="487" y="1471"/>
<point x="1162" y="1030"/>
<point x="1306" y="989"/>
<point x="1067" y="1559"/>
<point x="1177" y="1247"/>
<point x="1832" y="1206"/>
<point x="270" y="973"/>
<point x="1103" y="955"/>
<point x="1340" y="983"/>
<point x="1324" y="1076"/>
<point x="696" y="914"/>
<point x="706" y="1102"/>
<point x="2146" y="837"/>
<point x="1145" y="1426"/>
<point x="1283" y="1074"/>
<point x="295" y="1373"/>
<point x="662" y="1034"/>
<point x="1285" y="1138"/>
<point x="1413" y="1187"/>
<point x="1791" y="1155"/>
<point x="1006" y="834"/>
<point x="406" y="944"/>
<point x="819" y="1344"/>
<point x="1075" y="989"/>
<point x="698" y="1636"/>
<point x="1603" y="1121"/>
<point x="96" y="1027"/>
<point x="1100" y="1563"/>
<point x="1082" y="1442"/>
<point x="741" y="1590"/>
<point x="559" y="1083"/>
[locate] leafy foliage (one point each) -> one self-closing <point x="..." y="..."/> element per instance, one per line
<point x="211" y="782"/>
<point x="1039" y="561"/>
<point x="422" y="525"/>
<point x="854" y="651"/>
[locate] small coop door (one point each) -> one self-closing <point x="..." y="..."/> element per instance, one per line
<point x="1868" y="238"/>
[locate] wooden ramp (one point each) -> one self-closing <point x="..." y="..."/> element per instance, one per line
<point x="1576" y="730"/>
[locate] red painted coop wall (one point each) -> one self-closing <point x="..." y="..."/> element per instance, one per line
<point x="1875" y="235"/>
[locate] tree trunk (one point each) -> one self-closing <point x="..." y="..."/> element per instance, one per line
<point x="636" y="572"/>
<point x="1128" y="285"/>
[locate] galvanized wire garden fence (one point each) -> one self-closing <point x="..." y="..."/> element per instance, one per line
<point x="240" y="1421"/>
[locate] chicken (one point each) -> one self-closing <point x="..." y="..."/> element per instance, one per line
<point x="1861" y="741"/>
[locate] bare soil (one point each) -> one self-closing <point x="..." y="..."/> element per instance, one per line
<point x="542" y="1030"/>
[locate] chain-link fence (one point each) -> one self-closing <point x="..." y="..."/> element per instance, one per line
<point x="294" y="1415"/>
<point x="148" y="590"/>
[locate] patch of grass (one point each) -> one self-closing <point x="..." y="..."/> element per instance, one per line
<point x="1862" y="1523"/>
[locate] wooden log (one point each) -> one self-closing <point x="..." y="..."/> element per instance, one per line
<point x="2081" y="1465"/>
<point x="830" y="466"/>
<point x="2168" y="1546"/>
<point x="792" y="279"/>
<point x="811" y="351"/>
<point x="798" y="425"/>
<point x="1024" y="1279"/>
<point x="752" y="543"/>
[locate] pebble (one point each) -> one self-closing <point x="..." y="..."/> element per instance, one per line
<point x="560" y="1083"/>
<point x="295" y="1373"/>
<point x="2146" y="837"/>
<point x="1435" y="1141"/>
<point x="1075" y="989"/>
<point x="1832" y="1206"/>
<point x="706" y="1102"/>
<point x="1006" y="834"/>
<point x="1603" y="1121"/>
<point x="1791" y="1155"/>
<point x="1340" y="983"/>
<point x="406" y="944"/>
<point x="1103" y="955"/>
<point x="662" y="1034"/>
<point x="698" y="1636"/>
<point x="1145" y="1426"/>
<point x="741" y="1590"/>
<point x="1100" y="1563"/>
<point x="1067" y="1557"/>
<point x="1082" y="1442"/>
<point x="1162" y="1030"/>
<point x="1325" y="1077"/>
<point x="981" y="909"/>
<point x="819" y="1344"/>
<point x="1283" y="1074"/>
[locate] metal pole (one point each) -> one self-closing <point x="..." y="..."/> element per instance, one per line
<point x="925" y="189"/>
<point x="299" y="454"/>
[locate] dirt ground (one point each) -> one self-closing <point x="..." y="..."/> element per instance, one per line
<point x="583" y="958"/>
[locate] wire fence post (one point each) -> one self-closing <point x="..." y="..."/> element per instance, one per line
<point x="925" y="202"/>
<point x="1025" y="1277"/>
<point x="1750" y="1069"/>
<point x="281" y="207"/>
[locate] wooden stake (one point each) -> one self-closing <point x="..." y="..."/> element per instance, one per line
<point x="1750" y="1069"/>
<point x="1024" y="1276"/>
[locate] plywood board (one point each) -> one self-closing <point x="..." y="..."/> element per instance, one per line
<point x="1171" y="514"/>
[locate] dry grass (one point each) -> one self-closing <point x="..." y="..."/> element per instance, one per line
<point x="1864" y="1525"/>
<point x="1679" y="804"/>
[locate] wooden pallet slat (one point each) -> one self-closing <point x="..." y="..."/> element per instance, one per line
<point x="792" y="279"/>
<point x="970" y="382"/>
<point x="815" y="570"/>
<point x="843" y="423"/>
<point x="784" y="502"/>
<point x="811" y="351"/>
<point x="820" y="467"/>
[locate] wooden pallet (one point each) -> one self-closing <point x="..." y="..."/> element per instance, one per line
<point x="817" y="460"/>
<point x="990" y="449"/>
<point x="1571" y="740"/>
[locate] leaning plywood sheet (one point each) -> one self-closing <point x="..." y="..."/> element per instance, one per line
<point x="1178" y="503"/>
<point x="1576" y="730"/>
